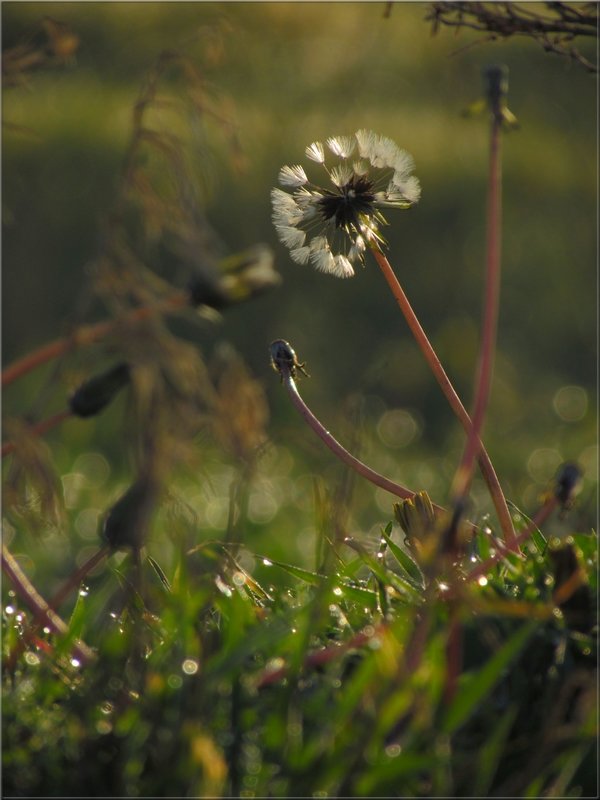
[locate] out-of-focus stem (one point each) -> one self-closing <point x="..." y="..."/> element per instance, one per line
<point x="89" y="334"/>
<point x="41" y="609"/>
<point x="454" y="400"/>
<point x="39" y="429"/>
<point x="464" y="474"/>
<point x="56" y="601"/>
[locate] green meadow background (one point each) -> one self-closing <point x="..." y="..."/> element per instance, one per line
<point x="289" y="74"/>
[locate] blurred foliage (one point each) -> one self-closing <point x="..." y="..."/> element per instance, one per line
<point x="140" y="145"/>
<point x="318" y="71"/>
<point x="299" y="683"/>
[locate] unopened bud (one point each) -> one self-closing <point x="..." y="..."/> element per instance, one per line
<point x="568" y="479"/>
<point x="415" y="515"/>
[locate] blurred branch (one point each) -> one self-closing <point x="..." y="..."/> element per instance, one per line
<point x="42" y="610"/>
<point x="555" y="26"/>
<point x="51" y="43"/>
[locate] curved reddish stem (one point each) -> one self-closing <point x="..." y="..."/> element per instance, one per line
<point x="454" y="400"/>
<point x="44" y="613"/>
<point x="88" y="334"/>
<point x="39" y="429"/>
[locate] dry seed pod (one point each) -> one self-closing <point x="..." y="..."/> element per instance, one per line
<point x="96" y="393"/>
<point x="127" y="521"/>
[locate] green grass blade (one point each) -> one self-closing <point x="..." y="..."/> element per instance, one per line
<point x="476" y="686"/>
<point x="312" y="578"/>
<point x="405" y="561"/>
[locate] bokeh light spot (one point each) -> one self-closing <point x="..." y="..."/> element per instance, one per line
<point x="570" y="403"/>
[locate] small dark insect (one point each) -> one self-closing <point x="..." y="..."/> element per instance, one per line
<point x="567" y="479"/>
<point x="284" y="359"/>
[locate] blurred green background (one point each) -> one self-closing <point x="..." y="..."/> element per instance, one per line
<point x="289" y="74"/>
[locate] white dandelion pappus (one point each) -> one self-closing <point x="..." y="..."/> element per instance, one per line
<point x="331" y="228"/>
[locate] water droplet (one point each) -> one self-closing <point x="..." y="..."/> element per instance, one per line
<point x="267" y="563"/>
<point x="338" y="592"/>
<point x="190" y="666"/>
<point x="75" y="662"/>
<point x="393" y="750"/>
<point x="103" y="727"/>
<point x="222" y="586"/>
<point x="9" y="610"/>
<point x="482" y="580"/>
<point x="32" y="659"/>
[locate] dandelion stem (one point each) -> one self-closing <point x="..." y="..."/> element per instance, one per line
<point x="436" y="367"/>
<point x="464" y="475"/>
<point x="337" y="449"/>
<point x="89" y="334"/>
<point x="39" y="429"/>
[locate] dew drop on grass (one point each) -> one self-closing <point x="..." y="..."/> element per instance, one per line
<point x="239" y="578"/>
<point x="482" y="580"/>
<point x="32" y="659"/>
<point x="75" y="662"/>
<point x="267" y="563"/>
<point x="9" y="610"/>
<point x="103" y="727"/>
<point x="393" y="750"/>
<point x="190" y="666"/>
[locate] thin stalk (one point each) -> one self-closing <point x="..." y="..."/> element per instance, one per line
<point x="319" y="658"/>
<point x="539" y="519"/>
<point x="454" y="400"/>
<point x="41" y="609"/>
<point x="485" y="368"/>
<point x="89" y="334"/>
<point x="39" y="429"/>
<point x="338" y="450"/>
<point x="55" y="602"/>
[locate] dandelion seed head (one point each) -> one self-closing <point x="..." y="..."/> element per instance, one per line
<point x="332" y="227"/>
